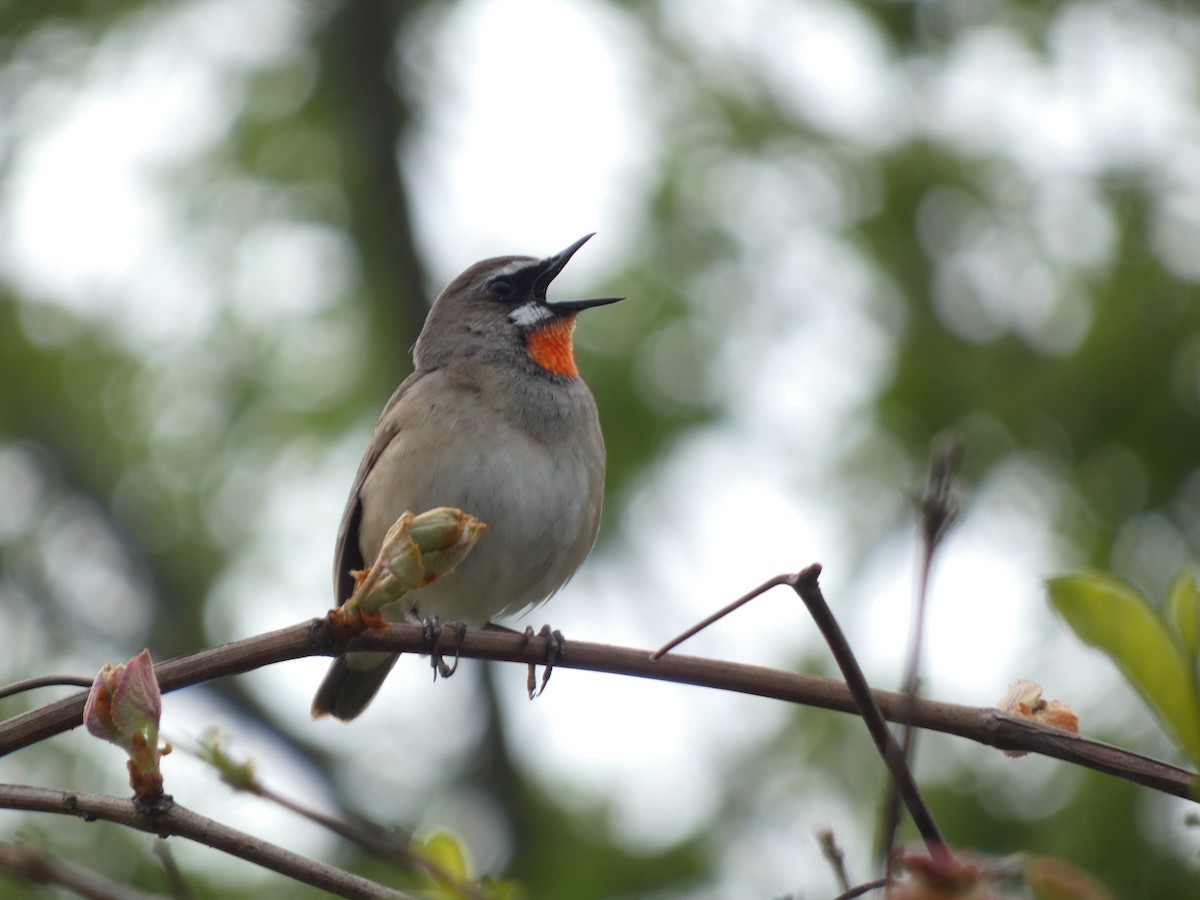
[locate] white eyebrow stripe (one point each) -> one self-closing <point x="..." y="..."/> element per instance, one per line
<point x="529" y="314"/>
<point x="512" y="268"/>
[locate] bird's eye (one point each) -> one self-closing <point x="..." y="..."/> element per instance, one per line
<point x="502" y="288"/>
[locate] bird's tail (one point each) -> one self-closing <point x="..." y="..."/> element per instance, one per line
<point x="352" y="682"/>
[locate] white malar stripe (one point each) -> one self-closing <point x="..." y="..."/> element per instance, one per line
<point x="529" y="314"/>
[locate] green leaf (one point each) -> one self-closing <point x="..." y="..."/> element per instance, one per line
<point x="1182" y="612"/>
<point x="443" y="850"/>
<point x="1112" y="615"/>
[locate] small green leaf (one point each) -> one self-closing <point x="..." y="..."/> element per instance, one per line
<point x="1182" y="612"/>
<point x="1112" y="615"/>
<point x="443" y="850"/>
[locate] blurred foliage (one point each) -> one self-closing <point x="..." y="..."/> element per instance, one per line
<point x="1042" y="307"/>
<point x="1092" y="832"/>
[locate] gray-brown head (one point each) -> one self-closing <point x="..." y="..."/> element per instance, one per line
<point x="498" y="310"/>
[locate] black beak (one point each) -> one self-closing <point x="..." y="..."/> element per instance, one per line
<point x="547" y="271"/>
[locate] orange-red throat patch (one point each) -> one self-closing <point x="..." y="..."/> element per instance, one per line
<point x="550" y="346"/>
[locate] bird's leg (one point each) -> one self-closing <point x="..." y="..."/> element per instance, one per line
<point x="445" y="670"/>
<point x="433" y="643"/>
<point x="555" y="647"/>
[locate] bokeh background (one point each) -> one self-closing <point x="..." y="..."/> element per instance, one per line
<point x="844" y="227"/>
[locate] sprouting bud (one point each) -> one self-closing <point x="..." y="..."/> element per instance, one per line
<point x="415" y="551"/>
<point x="1024" y="699"/>
<point x="445" y="536"/>
<point x="403" y="570"/>
<point x="124" y="708"/>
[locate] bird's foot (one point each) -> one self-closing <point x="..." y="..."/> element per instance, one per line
<point x="433" y="645"/>
<point x="555" y="647"/>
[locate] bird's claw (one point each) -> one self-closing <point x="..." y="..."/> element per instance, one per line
<point x="433" y="644"/>
<point x="555" y="647"/>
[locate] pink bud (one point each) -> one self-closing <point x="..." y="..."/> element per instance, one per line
<point x="124" y="708"/>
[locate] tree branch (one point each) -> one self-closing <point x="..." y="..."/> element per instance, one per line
<point x="315" y="638"/>
<point x="172" y="819"/>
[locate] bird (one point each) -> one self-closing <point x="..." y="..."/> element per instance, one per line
<point x="494" y="420"/>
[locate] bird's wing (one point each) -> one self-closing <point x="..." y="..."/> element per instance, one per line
<point x="348" y="555"/>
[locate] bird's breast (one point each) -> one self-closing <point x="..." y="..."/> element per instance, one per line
<point x="539" y="489"/>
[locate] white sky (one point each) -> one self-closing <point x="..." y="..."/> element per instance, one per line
<point x="87" y="223"/>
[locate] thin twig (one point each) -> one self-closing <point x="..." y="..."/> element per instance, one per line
<point x="864" y="888"/>
<point x="834" y="856"/>
<point x="939" y="508"/>
<point x="721" y="613"/>
<point x="941" y="500"/>
<point x="173" y="819"/>
<point x="41" y="681"/>
<point x="806" y="584"/>
<point x="314" y="638"/>
<point x="366" y="835"/>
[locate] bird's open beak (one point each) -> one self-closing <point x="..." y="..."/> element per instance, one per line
<point x="548" y="270"/>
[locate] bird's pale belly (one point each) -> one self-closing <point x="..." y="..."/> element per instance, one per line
<point x="541" y="525"/>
